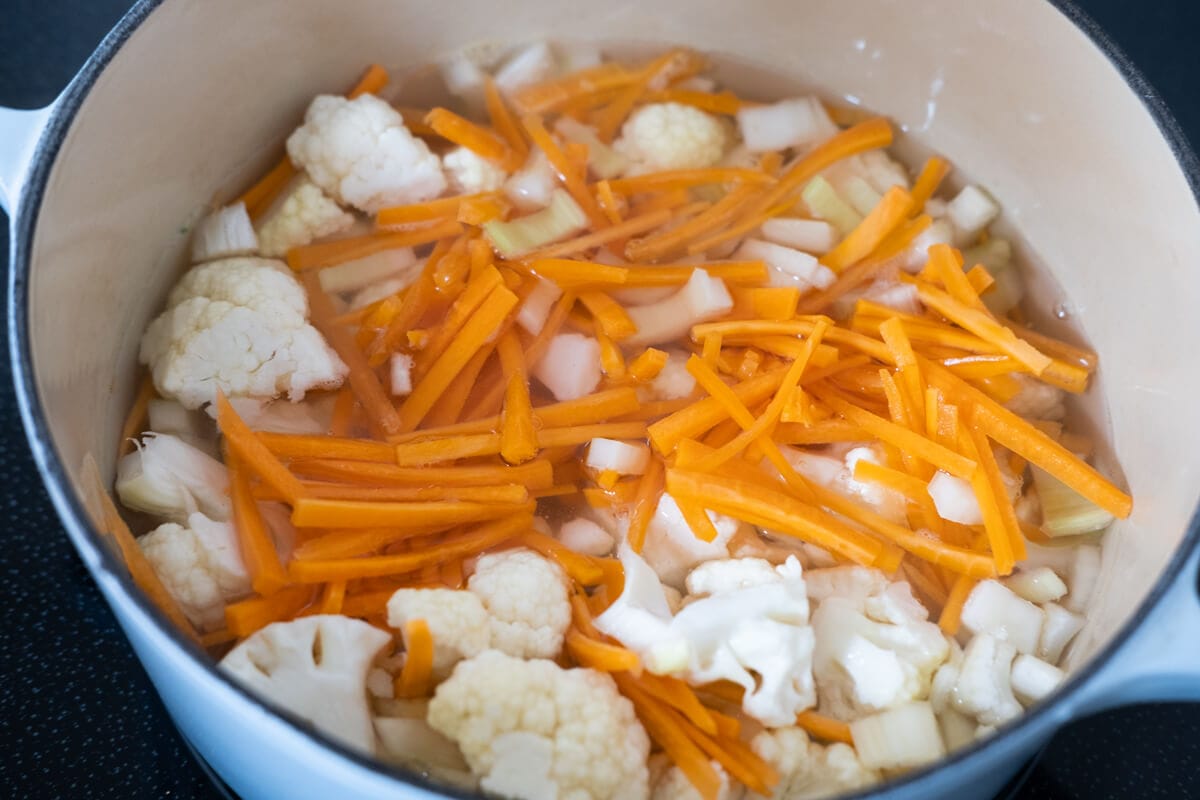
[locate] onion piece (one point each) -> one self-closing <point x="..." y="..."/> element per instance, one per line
<point x="223" y="233"/>
<point x="584" y="536"/>
<point x="1033" y="679"/>
<point x="350" y="276"/>
<point x="571" y="366"/>
<point x="1038" y="585"/>
<point x="954" y="499"/>
<point x="793" y="266"/>
<point x="701" y="299"/>
<point x="825" y="203"/>
<point x="535" y="309"/>
<point x="810" y="235"/>
<point x="797" y="122"/>
<point x="899" y="738"/>
<point x="627" y="458"/>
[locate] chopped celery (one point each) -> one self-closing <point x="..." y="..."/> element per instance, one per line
<point x="562" y="218"/>
<point x="995" y="254"/>
<point x="1065" y="512"/>
<point x="825" y="203"/>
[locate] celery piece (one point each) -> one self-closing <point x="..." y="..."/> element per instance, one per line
<point x="995" y="254"/>
<point x="562" y="218"/>
<point x="825" y="203"/>
<point x="1065" y="512"/>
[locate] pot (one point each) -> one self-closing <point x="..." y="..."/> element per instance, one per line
<point x="185" y="99"/>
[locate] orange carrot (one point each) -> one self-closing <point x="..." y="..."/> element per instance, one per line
<point x="258" y="551"/>
<point x="433" y="451"/>
<point x="326" y="254"/>
<point x="609" y="314"/>
<point x="247" y="616"/>
<point x="572" y="180"/>
<point x="584" y="570"/>
<point x="991" y="471"/>
<point x="824" y="728"/>
<point x="253" y="453"/>
<point x="477" y="291"/>
<point x="703" y="414"/>
<point x="518" y="437"/>
<point x="951" y="617"/>
<point x="374" y="79"/>
<point x="441" y="210"/>
<point x="647" y="364"/>
<point x="669" y="734"/>
<point x="608" y="234"/>
<point x="416" y="676"/>
<point x="983" y="325"/>
<point x="598" y="655"/>
<point x="509" y="493"/>
<point x="343" y="543"/>
<point x="505" y="123"/>
<point x="463" y="132"/>
<point x="687" y="179"/>
<point x="931" y="176"/>
<point x="713" y="102"/>
<point x="292" y="445"/>
<point x="313" y="512"/>
<point x="883" y="219"/>
<point x="259" y="197"/>
<point x="137" y="419"/>
<point x="645" y="503"/>
<point x="536" y="474"/>
<point x="332" y="598"/>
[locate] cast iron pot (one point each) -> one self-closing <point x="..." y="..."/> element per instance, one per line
<point x="185" y="99"/>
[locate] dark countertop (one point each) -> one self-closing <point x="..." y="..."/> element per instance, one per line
<point x="79" y="719"/>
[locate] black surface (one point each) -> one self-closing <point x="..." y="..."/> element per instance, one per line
<point x="79" y="719"/>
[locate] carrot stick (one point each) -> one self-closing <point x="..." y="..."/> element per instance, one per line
<point x="137" y="419"/>
<point x="416" y="676"/>
<point x="416" y="301"/>
<point x="601" y="656"/>
<point x="439" y="210"/>
<point x="433" y="451"/>
<point x="254" y="540"/>
<point x="482" y="325"/>
<point x="824" y="728"/>
<point x="931" y="176"/>
<point x="647" y="365"/>
<point x="536" y="474"/>
<point x="694" y="515"/>
<point x="983" y="325"/>
<point x="253" y="453"/>
<point x="259" y="197"/>
<point x="667" y="180"/>
<point x="700" y="416"/>
<point x="1074" y="356"/>
<point x="609" y="314"/>
<point x="342" y="417"/>
<point x="505" y="123"/>
<point x="292" y="445"/>
<point x="312" y="512"/>
<point x="675" y="240"/>
<point x="247" y="616"/>
<point x="476" y="541"/>
<point x="582" y="569"/>
<point x="608" y="234"/>
<point x="374" y="79"/>
<point x="463" y="132"/>
<point x="991" y="470"/>
<point x="883" y="219"/>
<point x="332" y="598"/>
<point x="612" y="360"/>
<point x="327" y="254"/>
<point x="645" y="503"/>
<point x="571" y="179"/>
<point x="726" y="102"/>
<point x="509" y="493"/>
<point x="476" y="293"/>
<point x="518" y="437"/>
<point x="363" y="381"/>
<point x="551" y="95"/>
<point x="951" y="617"/>
<point x="340" y="543"/>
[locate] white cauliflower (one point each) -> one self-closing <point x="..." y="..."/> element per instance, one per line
<point x="672" y="549"/>
<point x="470" y="173"/>
<point x="662" y="136"/>
<point x="168" y="477"/>
<point x="298" y="216"/>
<point x="200" y="566"/>
<point x="238" y="325"/>
<point x="359" y="152"/>
<point x="673" y="784"/>
<point x="525" y="596"/>
<point x="533" y="730"/>
<point x="876" y="653"/>
<point x="457" y="621"/>
<point x="316" y="668"/>
<point x="983" y="686"/>
<point x="808" y="770"/>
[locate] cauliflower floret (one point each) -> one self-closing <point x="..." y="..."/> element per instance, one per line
<point x="359" y="152"/>
<point x="238" y="325"/>
<point x="168" y="477"/>
<point x="302" y="213"/>
<point x="525" y="596"/>
<point x="663" y="136"/>
<point x="983" y="687"/>
<point x="806" y="769"/>
<point x="470" y="173"/>
<point x="457" y="621"/>
<point x="315" y="667"/>
<point x="200" y="566"/>
<point x="673" y="784"/>
<point x="672" y="549"/>
<point x="875" y="653"/>
<point x="531" y="729"/>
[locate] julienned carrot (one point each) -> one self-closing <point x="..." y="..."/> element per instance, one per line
<point x="757" y="505"/>
<point x="983" y="325"/>
<point x="449" y="408"/>
<point x="610" y="233"/>
<point x="931" y="176"/>
<point x="258" y="198"/>
<point x="416" y="676"/>
<point x="887" y="215"/>
<point x="647" y="365"/>
<point x="437" y="210"/>
<point x="551" y="95"/>
<point x="909" y="371"/>
<point x="500" y="493"/>
<point x="451" y="448"/>
<point x="612" y="360"/>
<point x="101" y="504"/>
<point x="609" y="314"/>
<point x="258" y="551"/>
<point x="602" y="656"/>
<point x="1074" y="356"/>
<point x="476" y="138"/>
<point x="697" y="519"/>
<point x="570" y="273"/>
<point x="701" y="415"/>
<point x="913" y="489"/>
<point x="951" y="617"/>
<point x="518" y="436"/>
<point x="417" y="299"/>
<point x="725" y="102"/>
<point x="824" y="728"/>
<point x="536" y="474"/>
<point x="480" y="327"/>
<point x="995" y="522"/>
<point x="363" y="380"/>
<point x="947" y="264"/>
<point x="245" y="444"/>
<point x="332" y="598"/>
<point x="292" y="445"/>
<point x="247" y="616"/>
<point x="573" y="180"/>
<point x="505" y="122"/>
<point x="991" y="470"/>
<point x="374" y="79"/>
<point x="687" y="179"/>
<point x="475" y="541"/>
<point x="1010" y="431"/>
<point x="675" y="240"/>
<point x="312" y="512"/>
<point x="824" y="432"/>
<point x="645" y="503"/>
<point x="326" y="254"/>
<point x="477" y="290"/>
<point x="136" y="420"/>
<point x="340" y="543"/>
<point x="733" y="272"/>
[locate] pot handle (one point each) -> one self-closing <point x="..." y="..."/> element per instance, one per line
<point x="19" y="134"/>
<point x="1161" y="660"/>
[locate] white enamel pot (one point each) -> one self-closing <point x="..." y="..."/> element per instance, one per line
<point x="186" y="98"/>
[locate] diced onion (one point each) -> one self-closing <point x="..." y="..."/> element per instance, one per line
<point x="353" y="275"/>
<point x="584" y="536"/>
<point x="1065" y="512"/>
<point x="571" y="367"/>
<point x="971" y="211"/>
<point x="1033" y="679"/>
<point x="994" y="609"/>
<point x="701" y="299"/>
<point x="861" y="195"/>
<point x="788" y="123"/>
<point x="223" y="233"/>
<point x="531" y="64"/>
<point x="810" y="235"/>
<point x="536" y="307"/>
<point x="401" y="370"/>
<point x="627" y="458"/>
<point x="1058" y="631"/>
<point x="796" y="266"/>
<point x="954" y="499"/>
<point x="603" y="160"/>
<point x="899" y="738"/>
<point x="1038" y="585"/>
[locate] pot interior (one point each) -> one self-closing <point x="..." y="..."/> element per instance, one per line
<point x="198" y="100"/>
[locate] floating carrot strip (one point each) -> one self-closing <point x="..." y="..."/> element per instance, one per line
<point x="1010" y="431"/>
<point x="476" y="293"/>
<point x="612" y="360"/>
<point x="136" y="420"/>
<point x="482" y="325"/>
<point x="609" y="314"/>
<point x="536" y="474"/>
<point x="505" y="123"/>
<point x="602" y="656"/>
<point x="582" y="569"/>
<point x="245" y="444"/>
<point x="984" y="326"/>
<point x="612" y="207"/>
<point x="259" y="197"/>
<point x="463" y="132"/>
<point x="432" y="451"/>
<point x="610" y="233"/>
<point x="700" y="416"/>
<point x="341" y="419"/>
<point x="450" y="407"/>
<point x="826" y="432"/>
<point x="313" y="512"/>
<point x="258" y="551"/>
<point x="951" y="617"/>
<point x="991" y="470"/>
<point x="887" y="215"/>
<point x="374" y="79"/>
<point x="726" y="102"/>
<point x="416" y="676"/>
<point x="566" y="272"/>
<point x="667" y="180"/>
<point x="912" y="488"/>
<point x="292" y="445"/>
<point x="571" y="179"/>
<point x="518" y="437"/>
<point x="930" y="178"/>
<point x="647" y="365"/>
<point x="363" y="380"/>
<point x="645" y="503"/>
<point x="508" y="493"/>
<point x="553" y="94"/>
<point x="479" y="210"/>
<point x="897" y="341"/>
<point x="824" y="728"/>
<point x="247" y="616"/>
<point x="332" y="598"/>
<point x="341" y="543"/>
<point x="476" y="541"/>
<point x="326" y="254"/>
<point x="675" y="240"/>
<point x="439" y="210"/>
<point x="995" y="522"/>
<point x="694" y="515"/>
<point x="947" y="264"/>
<point x="1074" y="356"/>
<point x="416" y="301"/>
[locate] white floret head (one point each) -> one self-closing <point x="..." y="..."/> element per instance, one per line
<point x="200" y="566"/>
<point x="807" y="769"/>
<point x="471" y="173"/>
<point x="662" y="136"/>
<point x="303" y="213"/>
<point x="457" y="622"/>
<point x="525" y="596"/>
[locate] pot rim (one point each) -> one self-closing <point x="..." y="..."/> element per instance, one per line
<point x="1045" y="717"/>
